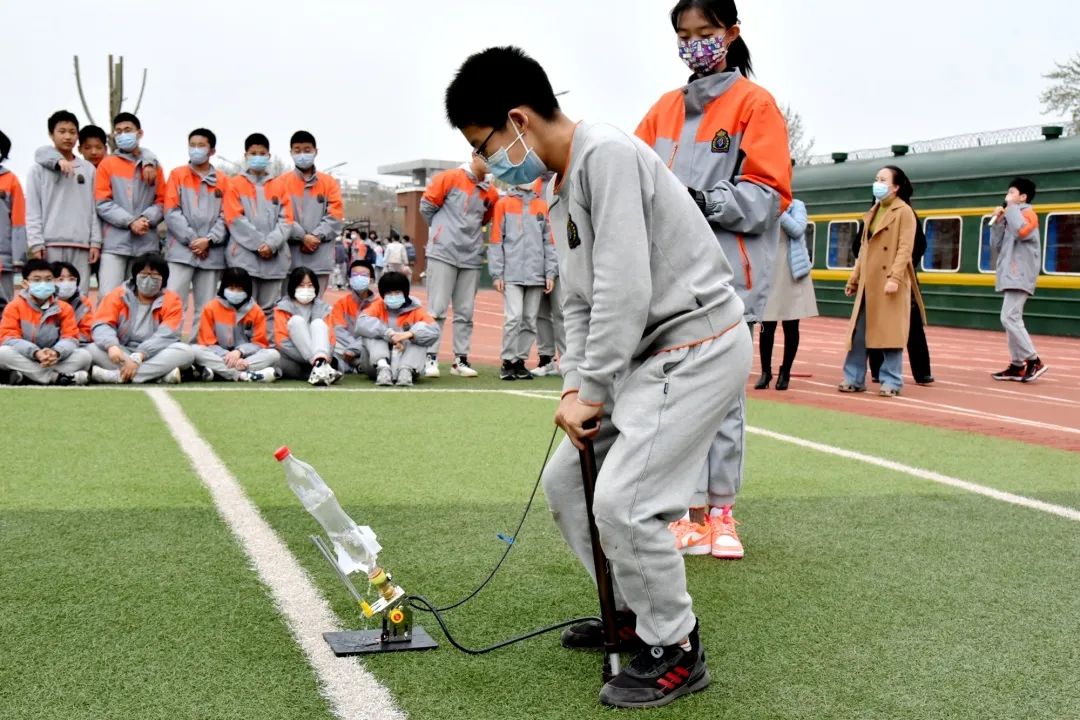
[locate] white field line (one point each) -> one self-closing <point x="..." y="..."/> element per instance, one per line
<point x="351" y="691"/>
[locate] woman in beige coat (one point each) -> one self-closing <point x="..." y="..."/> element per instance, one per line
<point x="883" y="283"/>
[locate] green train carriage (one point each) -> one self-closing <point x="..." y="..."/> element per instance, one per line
<point x="955" y="193"/>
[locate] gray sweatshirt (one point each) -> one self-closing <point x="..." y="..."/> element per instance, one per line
<point x="640" y="267"/>
<point x="60" y="210"/>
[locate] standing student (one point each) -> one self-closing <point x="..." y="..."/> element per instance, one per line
<point x="395" y="257"/>
<point x="68" y="282"/>
<point x="456" y="205"/>
<point x="12" y="225"/>
<point x="194" y="215"/>
<point x="348" y="345"/>
<point x="94" y="144"/>
<point x="61" y="216"/>
<point x="725" y="138"/>
<point x="232" y="343"/>
<point x="39" y="338"/>
<point x="1015" y="236"/>
<point x="397" y="333"/>
<point x="656" y="345"/>
<point x="550" y="333"/>
<point x="259" y="217"/>
<point x="318" y="214"/>
<point x="302" y="331"/>
<point x="129" y="206"/>
<point x="523" y="265"/>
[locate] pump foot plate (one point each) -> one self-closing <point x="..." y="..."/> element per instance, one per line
<point x="366" y="642"/>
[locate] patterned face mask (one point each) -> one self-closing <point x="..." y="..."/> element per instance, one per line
<point x="702" y="56"/>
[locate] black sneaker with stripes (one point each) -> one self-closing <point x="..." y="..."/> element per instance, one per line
<point x="589" y="635"/>
<point x="659" y="675"/>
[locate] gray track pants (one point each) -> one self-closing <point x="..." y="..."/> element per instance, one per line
<point x="177" y="355"/>
<point x="413" y="357"/>
<point x="112" y="273"/>
<point x="10" y="359"/>
<point x="654" y="438"/>
<point x="447" y="284"/>
<point x="550" y="334"/>
<point x="309" y="341"/>
<point x="521" y="304"/>
<point x="209" y="359"/>
<point x="1021" y="348"/>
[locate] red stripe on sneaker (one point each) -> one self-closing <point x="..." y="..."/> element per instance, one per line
<point x="683" y="672"/>
<point x="666" y="684"/>
<point x="674" y="678"/>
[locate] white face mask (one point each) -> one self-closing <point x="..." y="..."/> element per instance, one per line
<point x="66" y="288"/>
<point x="305" y="296"/>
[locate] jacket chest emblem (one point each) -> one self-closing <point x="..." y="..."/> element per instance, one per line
<point x="572" y="237"/>
<point x="721" y="142"/>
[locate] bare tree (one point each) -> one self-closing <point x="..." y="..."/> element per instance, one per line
<point x="1064" y="95"/>
<point x="116" y="92"/>
<point x="800" y="146"/>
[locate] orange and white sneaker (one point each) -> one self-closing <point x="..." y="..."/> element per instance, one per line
<point x="725" y="540"/>
<point x="692" y="538"/>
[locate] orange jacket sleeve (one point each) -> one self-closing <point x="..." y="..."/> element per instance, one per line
<point x="231" y="206"/>
<point x="436" y="191"/>
<point x="281" y="326"/>
<point x="108" y="310"/>
<point x="1031" y="223"/>
<point x="768" y="159"/>
<point x="258" y="335"/>
<point x="69" y="329"/>
<point x="10" y="327"/>
<point x="159" y="190"/>
<point x="103" y="181"/>
<point x="207" y="334"/>
<point x="172" y="311"/>
<point x="497" y="221"/>
<point x="172" y="190"/>
<point x="491" y="198"/>
<point x="646" y="129"/>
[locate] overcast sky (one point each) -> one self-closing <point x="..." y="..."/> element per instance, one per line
<point x="367" y="77"/>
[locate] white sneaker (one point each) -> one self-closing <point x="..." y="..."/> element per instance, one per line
<point x="205" y="374"/>
<point x="173" y="378"/>
<point x="81" y="377"/>
<point x="103" y="376"/>
<point x="461" y="368"/>
<point x="546" y="370"/>
<point x="321" y="375"/>
<point x="335" y="376"/>
<point x="431" y="368"/>
<point x="268" y="375"/>
<point x="404" y="378"/>
<point x="384" y="377"/>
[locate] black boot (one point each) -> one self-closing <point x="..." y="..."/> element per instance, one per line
<point x="764" y="381"/>
<point x="782" y="379"/>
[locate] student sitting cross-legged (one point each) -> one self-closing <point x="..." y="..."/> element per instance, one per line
<point x="398" y="333"/>
<point x="349" y="347"/>
<point x="39" y="339"/>
<point x="302" y="332"/>
<point x="137" y="329"/>
<point x="68" y="282"/>
<point x="231" y="343"/>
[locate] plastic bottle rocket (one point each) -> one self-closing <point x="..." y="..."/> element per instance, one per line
<point x="355" y="545"/>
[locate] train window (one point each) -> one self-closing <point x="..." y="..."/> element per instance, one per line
<point x="987" y="256"/>
<point x="1062" y="255"/>
<point x="942" y="244"/>
<point x="842" y="236"/>
<point x="808" y="238"/>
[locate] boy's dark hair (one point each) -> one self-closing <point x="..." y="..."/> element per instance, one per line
<point x="235" y="276"/>
<point x="493" y="82"/>
<point x="297" y="276"/>
<point x="35" y="264"/>
<point x="152" y="261"/>
<point x="127" y="117"/>
<point x="363" y="234"/>
<point x="362" y="263"/>
<point x="406" y="238"/>
<point x="91" y="132"/>
<point x="394" y="282"/>
<point x="719" y="12"/>
<point x="59" y="266"/>
<point x="62" y="116"/>
<point x="256" y="139"/>
<point x="1024" y="186"/>
<point x="900" y="179"/>
<point x="204" y="133"/>
<point x="5" y="146"/>
<point x="302" y="136"/>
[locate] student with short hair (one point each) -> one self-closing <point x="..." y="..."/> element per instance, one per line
<point x="318" y="213"/>
<point x="129" y="205"/>
<point x="1014" y="235"/>
<point x="61" y="216"/>
<point x="12" y="225"/>
<point x="68" y="282"/>
<point x="349" y="347"/>
<point x="398" y="333"/>
<point x="231" y="342"/>
<point x="94" y="144"/>
<point x="302" y="332"/>
<point x="39" y="338"/>
<point x="194" y="215"/>
<point x="137" y="329"/>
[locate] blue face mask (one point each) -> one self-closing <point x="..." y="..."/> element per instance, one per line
<point x="304" y="161"/>
<point x="359" y="283"/>
<point x="394" y="302"/>
<point x="198" y="155"/>
<point x="235" y="297"/>
<point x="127" y="141"/>
<point x="43" y="290"/>
<point x="258" y="162"/>
<point x="528" y="170"/>
<point x="881" y="190"/>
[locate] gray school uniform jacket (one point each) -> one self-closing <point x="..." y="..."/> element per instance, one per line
<point x="286" y="309"/>
<point x="411" y="313"/>
<point x="258" y="212"/>
<point x="12" y="226"/>
<point x="457" y="205"/>
<point x="60" y="210"/>
<point x="639" y="266"/>
<point x="114" y="324"/>
<point x="1018" y="244"/>
<point x="317" y="209"/>
<point x="43" y="333"/>
<point x="123" y="196"/>
<point x="194" y="208"/>
<point x="522" y="250"/>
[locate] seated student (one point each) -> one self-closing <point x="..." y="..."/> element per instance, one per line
<point x="398" y="333"/>
<point x="39" y="339"/>
<point x="68" y="282"/>
<point x="349" y="347"/>
<point x="301" y="333"/>
<point x="231" y="340"/>
<point x="137" y="329"/>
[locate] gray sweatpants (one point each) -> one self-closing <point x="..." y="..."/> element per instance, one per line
<point x="209" y="359"/>
<point x="1021" y="349"/>
<point x="202" y="284"/>
<point x="112" y="273"/>
<point x="550" y="334"/>
<point x="7" y="284"/>
<point x="78" y="257"/>
<point x="521" y="304"/>
<point x="309" y="341"/>
<point x="654" y="438"/>
<point x="177" y="355"/>
<point x="413" y="357"/>
<point x="446" y="284"/>
<point x="10" y="359"/>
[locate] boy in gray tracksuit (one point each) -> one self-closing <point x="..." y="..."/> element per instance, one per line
<point x="657" y="352"/>
<point x="12" y="225"/>
<point x="523" y="264"/>
<point x="61" y="217"/>
<point x="397" y="333"/>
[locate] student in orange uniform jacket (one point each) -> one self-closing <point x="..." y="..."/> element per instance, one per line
<point x="232" y="342"/>
<point x="398" y="333"/>
<point x="349" y="347"/>
<point x="12" y="225"/>
<point x="68" y="282"/>
<point x="302" y="332"/>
